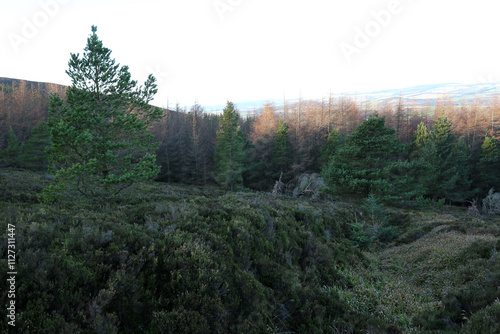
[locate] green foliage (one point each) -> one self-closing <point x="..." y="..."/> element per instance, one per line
<point x="329" y="149"/>
<point x="485" y="321"/>
<point x="100" y="139"/>
<point x="487" y="170"/>
<point x="34" y="155"/>
<point x="230" y="154"/>
<point x="374" y="211"/>
<point x="421" y="137"/>
<point x="174" y="259"/>
<point x="441" y="164"/>
<point x="12" y="153"/>
<point x="429" y="203"/>
<point x="281" y="148"/>
<point x="163" y="258"/>
<point x="375" y="225"/>
<point x="369" y="163"/>
<point x="362" y="235"/>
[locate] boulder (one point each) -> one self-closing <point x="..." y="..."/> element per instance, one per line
<point x="491" y="203"/>
<point x="309" y="185"/>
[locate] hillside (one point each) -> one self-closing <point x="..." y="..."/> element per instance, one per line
<point x="23" y="104"/>
<point x="166" y="258"/>
<point x="417" y="96"/>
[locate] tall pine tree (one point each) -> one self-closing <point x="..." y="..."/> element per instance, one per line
<point x="100" y="138"/>
<point x="229" y="153"/>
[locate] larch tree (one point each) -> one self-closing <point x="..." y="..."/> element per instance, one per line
<point x="100" y="139"/>
<point x="262" y="134"/>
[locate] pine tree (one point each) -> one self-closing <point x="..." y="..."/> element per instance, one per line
<point x="368" y="163"/>
<point x="35" y="155"/>
<point x="424" y="160"/>
<point x="12" y="153"/>
<point x="461" y="173"/>
<point x="443" y="163"/>
<point x="230" y="154"/>
<point x="442" y="136"/>
<point x="100" y="138"/>
<point x="329" y="149"/>
<point x="281" y="149"/>
<point x="421" y="137"/>
<point x="487" y="170"/>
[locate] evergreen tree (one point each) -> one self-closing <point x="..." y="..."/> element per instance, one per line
<point x="487" y="170"/>
<point x="460" y="173"/>
<point x="12" y="153"/>
<point x="329" y="149"/>
<point x="281" y="148"/>
<point x="442" y="136"/>
<point x="368" y="163"/>
<point x="35" y="155"/>
<point x="444" y="164"/>
<point x="100" y="138"/>
<point x="229" y="154"/>
<point x="424" y="160"/>
<point x="421" y="138"/>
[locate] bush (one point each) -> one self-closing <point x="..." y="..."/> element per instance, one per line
<point x="485" y="321"/>
<point x="172" y="259"/>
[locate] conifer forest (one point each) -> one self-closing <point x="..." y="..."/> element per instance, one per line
<point x="331" y="215"/>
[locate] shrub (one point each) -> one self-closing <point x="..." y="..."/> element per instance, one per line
<point x="485" y="321"/>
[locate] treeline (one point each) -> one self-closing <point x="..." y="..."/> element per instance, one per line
<point x="299" y="137"/>
<point x="23" y="104"/>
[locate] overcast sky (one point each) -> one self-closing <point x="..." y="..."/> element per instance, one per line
<point x="215" y="50"/>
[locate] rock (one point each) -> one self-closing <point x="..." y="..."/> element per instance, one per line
<point x="309" y="185"/>
<point x="491" y="203"/>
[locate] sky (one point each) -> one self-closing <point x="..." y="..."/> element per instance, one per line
<point x="211" y="51"/>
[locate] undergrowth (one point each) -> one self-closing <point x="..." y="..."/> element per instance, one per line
<point x="166" y="258"/>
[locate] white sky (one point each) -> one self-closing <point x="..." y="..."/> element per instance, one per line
<point x="259" y="49"/>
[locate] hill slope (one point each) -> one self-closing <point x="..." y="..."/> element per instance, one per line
<point x="178" y="259"/>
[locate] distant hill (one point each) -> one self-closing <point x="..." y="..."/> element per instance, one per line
<point x="417" y="96"/>
<point x="44" y="87"/>
<point x="423" y="94"/>
<point x="23" y="104"/>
